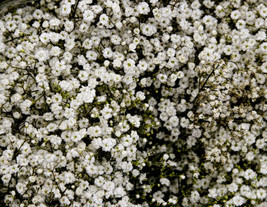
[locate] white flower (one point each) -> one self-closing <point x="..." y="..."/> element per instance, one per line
<point x="135" y="172"/>
<point x="36" y="24"/>
<point x="21" y="188"/>
<point x="91" y="55"/>
<point x="6" y="178"/>
<point x="65" y="9"/>
<point x="99" y="181"/>
<point x="184" y="122"/>
<point x="16" y="98"/>
<point x="119" y="192"/>
<point x="263" y="47"/>
<point x="68" y="177"/>
<point x="65" y="85"/>
<point x="126" y="166"/>
<point x="249" y="174"/>
<point x="96" y="8"/>
<point x="140" y="95"/>
<point x="162" y="78"/>
<point x="54" y="22"/>
<point x="213" y="193"/>
<point x="98" y="197"/>
<point x="148" y="29"/>
<point x="135" y="120"/>
<point x="142" y="65"/>
<point x="116" y="78"/>
<point x="240" y="24"/>
<point x="71" y="122"/>
<point x="69" y="43"/>
<point x="263" y="10"/>
<point x="115" y="39"/>
<point x="87" y="43"/>
<point x="117" y="63"/>
<point x="250" y="138"/>
<point x="174" y="121"/>
<point x="55" y="51"/>
<point x="171" y="52"/>
<point x="55" y="140"/>
<point x="106" y="112"/>
<point x="82" y="6"/>
<point x="195" y="197"/>
<point x="79" y="191"/>
<point x="45" y="24"/>
<point x="64" y="200"/>
<point x="143" y="8"/>
<point x="91" y="169"/>
<point x="26" y="149"/>
<point x="250" y="156"/>
<point x="51" y="127"/>
<point x="108" y="186"/>
<point x="107" y="167"/>
<point x="88" y="95"/>
<point x="83" y="28"/>
<point x="8" y="154"/>
<point x="42" y="55"/>
<point x="165" y="181"/>
<point x="129" y="65"/>
<point x="132" y="47"/>
<point x="126" y="140"/>
<point x="69" y="26"/>
<point x="83" y="75"/>
<point x="88" y="16"/>
<point x="103" y="19"/>
<point x="11" y="25"/>
<point x="107" y="52"/>
<point x="235" y="14"/>
<point x="263" y="168"/>
<point x="76" y="136"/>
<point x="261" y="194"/>
<point x="67" y="56"/>
<point x="238" y="200"/>
<point x="180" y="74"/>
<point x="233" y="187"/>
<point x="108" y="143"/>
<point x="25" y="106"/>
<point x="94" y="131"/>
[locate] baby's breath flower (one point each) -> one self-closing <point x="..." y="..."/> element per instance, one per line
<point x="124" y="103"/>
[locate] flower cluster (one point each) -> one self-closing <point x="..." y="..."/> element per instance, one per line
<point x="133" y="103"/>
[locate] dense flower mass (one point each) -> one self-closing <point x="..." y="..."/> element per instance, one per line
<point x="119" y="103"/>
